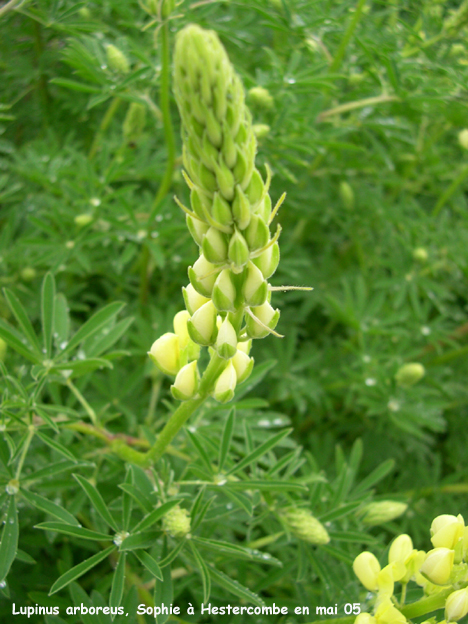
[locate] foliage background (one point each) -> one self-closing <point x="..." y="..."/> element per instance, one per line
<point x="367" y="186"/>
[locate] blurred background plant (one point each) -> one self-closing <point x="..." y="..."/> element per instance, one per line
<point x="360" y="110"/>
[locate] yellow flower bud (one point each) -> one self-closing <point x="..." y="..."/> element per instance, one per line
<point x="238" y="252"/>
<point x="385" y="583"/>
<point x="437" y="566"/>
<point x="214" y="246"/>
<point x="244" y="346"/>
<point x="202" y="325"/>
<point x="400" y="550"/>
<point x="165" y="353"/>
<point x="367" y="568"/>
<point x="420" y="255"/>
<point x="365" y="618"/>
<point x="382" y="511"/>
<point x="180" y="327"/>
<point x="255" y="288"/>
<point x="456" y="605"/>
<point x="409" y="374"/>
<point x="224" y="292"/>
<point x="268" y="260"/>
<point x="446" y="530"/>
<point x="225" y="384"/>
<point x="268" y="317"/>
<point x="203" y="276"/>
<point x="463" y="138"/>
<point x="193" y="300"/>
<point x="177" y="522"/>
<point x="226" y="342"/>
<point x="387" y="613"/>
<point x="186" y="382"/>
<point x="197" y="229"/>
<point x="243" y="365"/>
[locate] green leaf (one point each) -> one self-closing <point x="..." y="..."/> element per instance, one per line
<point x="127" y="500"/>
<point x="97" y="501"/>
<point x="9" y="543"/>
<point x="23" y="320"/>
<point x="118" y="583"/>
<point x="15" y="340"/>
<point x="48" y="311"/>
<point x="137" y="541"/>
<point x="200" y="449"/>
<point x="62" y="320"/>
<point x="259" y="451"/>
<point x="339" y="512"/>
<point x="226" y="439"/>
<point x="105" y="342"/>
<point x="154" y="516"/>
<point x="150" y="564"/>
<point x="240" y="500"/>
<point x="74" y="85"/>
<point x="47" y="419"/>
<point x="55" y="445"/>
<point x="24" y="557"/>
<point x="173" y="554"/>
<point x="82" y="367"/>
<point x="375" y="476"/>
<point x="163" y="593"/>
<point x="49" y="507"/>
<point x="137" y="495"/>
<point x="79" y="570"/>
<point x="93" y="325"/>
<point x="234" y="550"/>
<point x="235" y="587"/>
<point x="73" y="531"/>
<point x="352" y="536"/>
<point x="204" y="572"/>
<point x="56" y="468"/>
<point x="252" y="484"/>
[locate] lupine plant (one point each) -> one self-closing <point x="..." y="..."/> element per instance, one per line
<point x="165" y="436"/>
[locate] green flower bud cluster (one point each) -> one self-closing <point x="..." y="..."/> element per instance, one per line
<point x="117" y="60"/>
<point x="228" y="298"/>
<point x="303" y="525"/>
<point x="177" y="522"/>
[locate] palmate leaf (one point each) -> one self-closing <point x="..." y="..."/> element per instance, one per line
<point x="163" y="593"/>
<point x="49" y="507"/>
<point x="118" y="583"/>
<point x="73" y="531"/>
<point x="23" y="320"/>
<point x="79" y="570"/>
<point x="150" y="564"/>
<point x="97" y="501"/>
<point x="234" y="587"/>
<point x="204" y="572"/>
<point x="17" y="342"/>
<point x="259" y="452"/>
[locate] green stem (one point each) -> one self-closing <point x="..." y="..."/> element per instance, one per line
<point x="9" y="6"/>
<point x="337" y="61"/>
<point x="24" y="452"/>
<point x="164" y="187"/>
<point x="344" y="108"/>
<point x="426" y="605"/>
<point x="105" y="123"/>
<point x="450" y="191"/>
<point x="89" y="410"/>
<point x="185" y="410"/>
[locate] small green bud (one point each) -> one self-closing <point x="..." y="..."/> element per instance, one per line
<point x="302" y="524"/>
<point x="261" y="131"/>
<point x="186" y="382"/>
<point x="243" y="365"/>
<point x="347" y="194"/>
<point x="238" y="252"/>
<point x="225" y="181"/>
<point x="197" y="229"/>
<point x="213" y="128"/>
<point x="221" y="211"/>
<point x="165" y="353"/>
<point x="214" y="246"/>
<point x="255" y="287"/>
<point x="229" y="149"/>
<point x="241" y="209"/>
<point x="268" y="260"/>
<point x="456" y="605"/>
<point x="134" y="122"/>
<point x="257" y="233"/>
<point x="226" y="342"/>
<point x="463" y="138"/>
<point x="83" y="219"/>
<point x="267" y="315"/>
<point x="224" y="292"/>
<point x="117" y="60"/>
<point x="255" y="190"/>
<point x="202" y="326"/>
<point x="203" y="276"/>
<point x="420" y="255"/>
<point x="193" y="299"/>
<point x="176" y="522"/>
<point x="3" y="350"/>
<point x="84" y="12"/>
<point x="381" y="512"/>
<point x="200" y="203"/>
<point x="409" y="374"/>
<point x="261" y="97"/>
<point x="28" y="274"/>
<point x="226" y="384"/>
<point x="243" y="168"/>
<point x="263" y="209"/>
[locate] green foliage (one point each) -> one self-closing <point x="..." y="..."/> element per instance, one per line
<point x="364" y="104"/>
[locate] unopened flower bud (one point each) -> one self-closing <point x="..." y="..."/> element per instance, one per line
<point x="463" y="138"/>
<point x="186" y="382"/>
<point x="382" y="511"/>
<point x="241" y="209"/>
<point x="134" y="122"/>
<point x="347" y="194"/>
<point x="400" y="549"/>
<point x="28" y="274"/>
<point x="214" y="246"/>
<point x="367" y="568"/>
<point x="261" y="131"/>
<point x="243" y="365"/>
<point x="245" y="346"/>
<point x="420" y="255"/>
<point x="197" y="229"/>
<point x="202" y="326"/>
<point x="437" y="566"/>
<point x="224" y="292"/>
<point x="83" y="219"/>
<point x="225" y="384"/>
<point x="365" y="618"/>
<point x="176" y="522"/>
<point x="165" y="353"/>
<point x="117" y="60"/>
<point x="269" y="319"/>
<point x="225" y="181"/>
<point x="409" y="374"/>
<point x="302" y="524"/>
<point x="3" y="349"/>
<point x="446" y="530"/>
<point x="255" y="287"/>
<point x="221" y="211"/>
<point x="257" y="233"/>
<point x="180" y="327"/>
<point x="238" y="252"/>
<point x="268" y="260"/>
<point x="261" y="97"/>
<point x="226" y="342"/>
<point x="193" y="299"/>
<point x="456" y="605"/>
<point x="203" y="276"/>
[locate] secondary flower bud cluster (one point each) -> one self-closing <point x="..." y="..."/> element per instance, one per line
<point x="439" y="569"/>
<point x="228" y="298"/>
